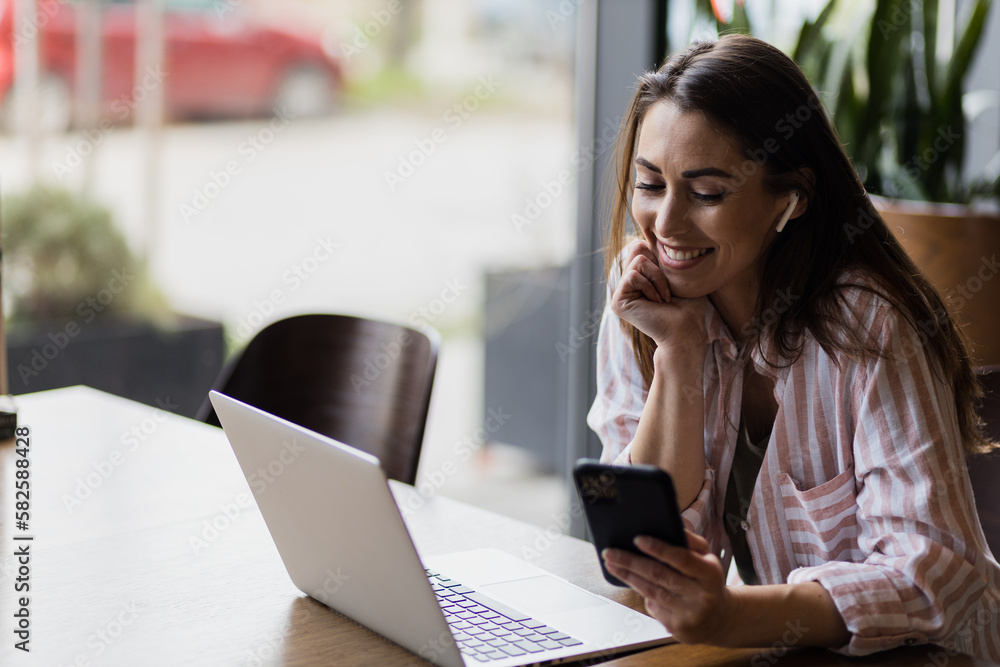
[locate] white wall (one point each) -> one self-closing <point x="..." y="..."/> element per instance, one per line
<point x="984" y="139"/>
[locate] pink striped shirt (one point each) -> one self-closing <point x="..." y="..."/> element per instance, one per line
<point x="863" y="487"/>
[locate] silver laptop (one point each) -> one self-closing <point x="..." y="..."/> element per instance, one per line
<point x="342" y="539"/>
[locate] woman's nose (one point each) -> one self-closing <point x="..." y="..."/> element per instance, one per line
<point x="670" y="218"/>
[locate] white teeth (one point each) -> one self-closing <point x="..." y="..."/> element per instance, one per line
<point x="683" y="256"/>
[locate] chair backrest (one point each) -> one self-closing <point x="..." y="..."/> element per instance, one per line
<point x="984" y="469"/>
<point x="363" y="382"/>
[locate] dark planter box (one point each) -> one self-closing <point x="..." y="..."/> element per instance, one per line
<point x="171" y="368"/>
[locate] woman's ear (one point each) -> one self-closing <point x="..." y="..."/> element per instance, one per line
<point x="793" y="201"/>
<point x="807" y="179"/>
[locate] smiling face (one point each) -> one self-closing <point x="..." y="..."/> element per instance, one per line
<point x="708" y="222"/>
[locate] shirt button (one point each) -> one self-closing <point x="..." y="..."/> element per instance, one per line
<point x="910" y="641"/>
<point x="744" y="525"/>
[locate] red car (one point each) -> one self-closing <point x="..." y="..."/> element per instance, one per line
<point x="218" y="63"/>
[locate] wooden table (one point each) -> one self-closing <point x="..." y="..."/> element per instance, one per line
<point x="146" y="551"/>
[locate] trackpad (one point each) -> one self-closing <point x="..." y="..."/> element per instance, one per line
<point x="542" y="595"/>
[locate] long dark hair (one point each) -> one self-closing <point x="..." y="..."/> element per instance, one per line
<point x="761" y="95"/>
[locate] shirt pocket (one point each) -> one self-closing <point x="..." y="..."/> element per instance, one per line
<point x="822" y="521"/>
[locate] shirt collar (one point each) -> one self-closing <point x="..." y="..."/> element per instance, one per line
<point x="718" y="331"/>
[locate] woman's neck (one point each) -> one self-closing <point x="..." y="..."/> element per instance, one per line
<point x="735" y="305"/>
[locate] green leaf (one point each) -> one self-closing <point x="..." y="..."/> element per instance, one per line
<point x="740" y="22"/>
<point x="890" y="23"/>
<point x="811" y="34"/>
<point x="965" y="49"/>
<point x="929" y="24"/>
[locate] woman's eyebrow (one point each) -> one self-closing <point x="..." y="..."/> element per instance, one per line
<point x="643" y="162"/>
<point x="707" y="171"/>
<point x="691" y="173"/>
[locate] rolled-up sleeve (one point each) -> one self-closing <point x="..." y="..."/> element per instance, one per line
<point x="614" y="416"/>
<point x="925" y="563"/>
<point x="698" y="515"/>
<point x="621" y="392"/>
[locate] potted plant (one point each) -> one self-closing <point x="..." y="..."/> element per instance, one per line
<point x="81" y="309"/>
<point x="896" y="91"/>
<point x="903" y="114"/>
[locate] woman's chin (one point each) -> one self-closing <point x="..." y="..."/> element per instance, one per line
<point x="686" y="291"/>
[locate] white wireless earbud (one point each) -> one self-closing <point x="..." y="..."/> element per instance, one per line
<point x="793" y="200"/>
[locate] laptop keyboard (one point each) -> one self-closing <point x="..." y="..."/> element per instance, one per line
<point x="487" y="630"/>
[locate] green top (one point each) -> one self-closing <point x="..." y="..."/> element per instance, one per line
<point x="747" y="460"/>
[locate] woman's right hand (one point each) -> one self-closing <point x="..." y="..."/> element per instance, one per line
<point x="642" y="298"/>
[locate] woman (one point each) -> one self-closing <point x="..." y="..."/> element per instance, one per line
<point x="769" y="344"/>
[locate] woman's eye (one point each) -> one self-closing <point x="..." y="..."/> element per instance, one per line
<point x="701" y="196"/>
<point x="648" y="186"/>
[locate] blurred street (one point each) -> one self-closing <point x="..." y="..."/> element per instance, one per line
<point x="383" y="213"/>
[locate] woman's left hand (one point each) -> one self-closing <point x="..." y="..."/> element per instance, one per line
<point x="685" y="589"/>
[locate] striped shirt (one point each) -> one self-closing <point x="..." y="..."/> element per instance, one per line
<point x="863" y="487"/>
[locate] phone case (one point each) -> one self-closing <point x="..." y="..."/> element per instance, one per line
<point x="623" y="502"/>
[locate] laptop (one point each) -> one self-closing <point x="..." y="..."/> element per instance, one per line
<point x="343" y="541"/>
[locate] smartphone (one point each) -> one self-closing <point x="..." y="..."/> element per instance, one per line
<point x="621" y="502"/>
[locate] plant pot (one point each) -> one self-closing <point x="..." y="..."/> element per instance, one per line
<point x="170" y="367"/>
<point x="959" y="250"/>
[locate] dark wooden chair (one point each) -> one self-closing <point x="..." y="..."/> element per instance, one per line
<point x="362" y="382"/>
<point x="984" y="469"/>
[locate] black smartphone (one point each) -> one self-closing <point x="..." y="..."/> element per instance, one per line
<point x="623" y="502"/>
